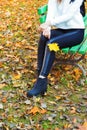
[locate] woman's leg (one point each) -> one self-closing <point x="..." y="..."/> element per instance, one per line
<point x="67" y="39"/>
<point x="41" y="47"/>
<point x="70" y="37"/>
<point x="41" y="50"/>
<point x="40" y="85"/>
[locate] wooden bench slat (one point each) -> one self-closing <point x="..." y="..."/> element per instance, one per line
<point x="74" y="49"/>
<point x="42" y="18"/>
<point x="85" y="23"/>
<point x="83" y="48"/>
<point x="42" y="9"/>
<point x="85" y="20"/>
<point x="65" y="50"/>
<point x="85" y="35"/>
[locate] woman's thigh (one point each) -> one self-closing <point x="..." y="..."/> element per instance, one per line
<point x="66" y="38"/>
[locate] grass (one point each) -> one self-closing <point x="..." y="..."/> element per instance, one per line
<point x="65" y="104"/>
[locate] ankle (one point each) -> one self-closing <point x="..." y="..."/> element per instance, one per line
<point x="42" y="77"/>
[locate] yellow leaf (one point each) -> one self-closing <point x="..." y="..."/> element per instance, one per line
<point x="83" y="127"/>
<point x="74" y="120"/>
<point x="1" y="47"/>
<point x="43" y="111"/>
<point x="53" y="47"/>
<point x="16" y="76"/>
<point x="60" y="108"/>
<point x="2" y="85"/>
<point x="56" y="128"/>
<point x="67" y="126"/>
<point x="85" y="124"/>
<point x="37" y="99"/>
<point x="1" y="35"/>
<point x="77" y="73"/>
<point x="68" y="67"/>
<point x="34" y="110"/>
<point x="29" y="25"/>
<point x="58" y="97"/>
<point x="51" y="102"/>
<point x="73" y="110"/>
<point x="4" y="100"/>
<point x="1" y="64"/>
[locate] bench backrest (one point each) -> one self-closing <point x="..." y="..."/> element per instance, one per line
<point x="42" y="12"/>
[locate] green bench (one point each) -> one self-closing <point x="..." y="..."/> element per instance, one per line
<point x="75" y="53"/>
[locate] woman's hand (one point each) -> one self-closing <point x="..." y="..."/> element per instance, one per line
<point x="43" y="26"/>
<point x="47" y="32"/>
<point x="40" y="29"/>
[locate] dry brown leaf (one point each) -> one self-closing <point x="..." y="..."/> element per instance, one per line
<point x="1" y="64"/>
<point x="29" y="25"/>
<point x="57" y="129"/>
<point x="74" y="120"/>
<point x="67" y="126"/>
<point x="4" y="100"/>
<point x="83" y="127"/>
<point x="30" y="47"/>
<point x="2" y="85"/>
<point x="85" y="56"/>
<point x="85" y="124"/>
<point x="43" y="111"/>
<point x="36" y="109"/>
<point x="77" y="74"/>
<point x="58" y="97"/>
<point x="16" y="76"/>
<point x="1" y="47"/>
<point x="73" y="110"/>
<point x="68" y="67"/>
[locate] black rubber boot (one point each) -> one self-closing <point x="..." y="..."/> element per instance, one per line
<point x="40" y="87"/>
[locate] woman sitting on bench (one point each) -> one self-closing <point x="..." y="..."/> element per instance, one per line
<point x="66" y="17"/>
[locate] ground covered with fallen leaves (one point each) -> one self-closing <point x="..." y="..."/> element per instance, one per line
<point x="64" y="107"/>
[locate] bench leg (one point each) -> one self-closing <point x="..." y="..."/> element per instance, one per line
<point x="81" y="68"/>
<point x="73" y="62"/>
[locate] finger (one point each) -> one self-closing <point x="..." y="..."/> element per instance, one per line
<point x="46" y="35"/>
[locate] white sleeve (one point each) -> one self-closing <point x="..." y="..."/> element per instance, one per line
<point x="69" y="13"/>
<point x="51" y="10"/>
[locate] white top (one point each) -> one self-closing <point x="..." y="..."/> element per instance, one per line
<point x="65" y="15"/>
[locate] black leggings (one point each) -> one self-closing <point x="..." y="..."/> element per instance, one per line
<point x="64" y="38"/>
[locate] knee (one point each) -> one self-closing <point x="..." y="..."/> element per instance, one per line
<point x="54" y="47"/>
